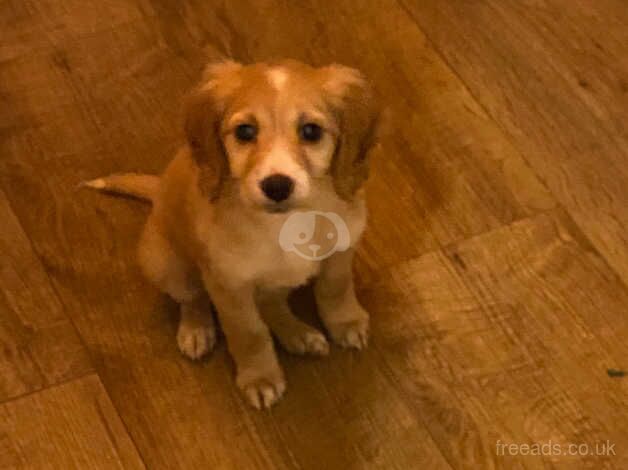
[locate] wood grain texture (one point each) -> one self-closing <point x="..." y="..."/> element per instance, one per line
<point x="39" y="345"/>
<point x="553" y="75"/>
<point x="73" y="425"/>
<point x="493" y="316"/>
<point x="507" y="338"/>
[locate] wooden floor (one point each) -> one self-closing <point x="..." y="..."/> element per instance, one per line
<point x="495" y="266"/>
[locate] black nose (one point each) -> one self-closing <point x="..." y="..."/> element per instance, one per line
<point x="277" y="187"/>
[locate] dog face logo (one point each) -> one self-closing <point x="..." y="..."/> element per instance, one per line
<point x="314" y="235"/>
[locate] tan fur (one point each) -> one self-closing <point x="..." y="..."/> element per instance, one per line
<point x="132" y="184"/>
<point x="211" y="230"/>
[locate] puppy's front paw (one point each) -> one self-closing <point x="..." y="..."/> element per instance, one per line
<point x="262" y="390"/>
<point x="304" y="340"/>
<point x="195" y="340"/>
<point x="311" y="342"/>
<point x="351" y="334"/>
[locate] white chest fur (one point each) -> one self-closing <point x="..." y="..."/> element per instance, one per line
<point x="251" y="249"/>
<point x="286" y="269"/>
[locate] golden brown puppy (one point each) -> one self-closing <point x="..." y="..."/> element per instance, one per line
<point x="271" y="148"/>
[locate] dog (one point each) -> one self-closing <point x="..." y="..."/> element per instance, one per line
<point x="265" y="144"/>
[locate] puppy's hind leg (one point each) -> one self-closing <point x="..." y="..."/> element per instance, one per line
<point x="178" y="278"/>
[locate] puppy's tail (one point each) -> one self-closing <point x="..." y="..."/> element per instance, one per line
<point x="131" y="184"/>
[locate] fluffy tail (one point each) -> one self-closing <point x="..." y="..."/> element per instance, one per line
<point x="132" y="184"/>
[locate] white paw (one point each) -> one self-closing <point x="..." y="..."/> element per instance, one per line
<point x="264" y="392"/>
<point x="353" y="334"/>
<point x="195" y="341"/>
<point x="307" y="342"/>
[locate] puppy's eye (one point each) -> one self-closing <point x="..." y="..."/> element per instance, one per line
<point x="311" y="132"/>
<point x="246" y="132"/>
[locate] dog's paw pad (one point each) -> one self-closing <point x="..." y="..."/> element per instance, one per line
<point x="195" y="341"/>
<point x="353" y="334"/>
<point x="264" y="393"/>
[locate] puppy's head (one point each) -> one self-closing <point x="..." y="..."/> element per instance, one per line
<point x="273" y="130"/>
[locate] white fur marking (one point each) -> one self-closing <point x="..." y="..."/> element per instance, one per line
<point x="278" y="78"/>
<point x="98" y="183"/>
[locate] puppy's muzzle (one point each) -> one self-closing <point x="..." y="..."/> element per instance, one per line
<point x="277" y="187"/>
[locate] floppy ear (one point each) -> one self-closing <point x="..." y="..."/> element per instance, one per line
<point x="351" y="100"/>
<point x="204" y="108"/>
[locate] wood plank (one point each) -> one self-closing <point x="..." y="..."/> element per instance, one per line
<point x="507" y="338"/>
<point x="73" y="425"/>
<point x="555" y="81"/>
<point x="29" y="25"/>
<point x="40" y="346"/>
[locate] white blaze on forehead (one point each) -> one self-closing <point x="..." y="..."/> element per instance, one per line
<point x="277" y="77"/>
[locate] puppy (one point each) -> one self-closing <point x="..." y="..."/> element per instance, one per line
<point x="264" y="142"/>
